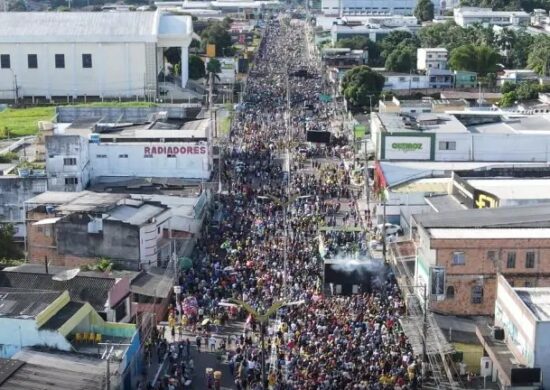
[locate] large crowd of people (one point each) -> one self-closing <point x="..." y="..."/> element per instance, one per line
<point x="264" y="247"/>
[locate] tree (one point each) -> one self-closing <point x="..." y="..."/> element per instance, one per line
<point x="216" y="33"/>
<point x="527" y="91"/>
<point x="403" y="59"/>
<point x="539" y="56"/>
<point x="394" y="39"/>
<point x="507" y="87"/>
<point x="361" y="82"/>
<point x="173" y="55"/>
<point x="214" y="66"/>
<point x="424" y="10"/>
<point x="359" y="42"/>
<point x="508" y="99"/>
<point x="17" y="6"/>
<point x="196" y="67"/>
<point x="480" y="59"/>
<point x="8" y="248"/>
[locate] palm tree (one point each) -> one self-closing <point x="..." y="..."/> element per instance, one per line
<point x="480" y="59"/>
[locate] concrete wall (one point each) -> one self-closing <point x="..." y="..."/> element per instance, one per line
<point x="117" y="241"/>
<point x="127" y="159"/>
<point x="542" y="351"/>
<point x="60" y="147"/>
<point x="20" y="333"/>
<point x="118" y="69"/>
<point x="14" y="191"/>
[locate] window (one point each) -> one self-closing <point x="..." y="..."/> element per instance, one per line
<point x="511" y="260"/>
<point x="86" y="60"/>
<point x="5" y="62"/>
<point x="437" y="285"/>
<point x="528" y="283"/>
<point x="491" y="255"/>
<point x="530" y="259"/>
<point x="101" y="156"/>
<point x="477" y="294"/>
<point x="171" y="155"/>
<point x="71" y="180"/>
<point x="32" y="61"/>
<point x="122" y="156"/>
<point x="458" y="258"/>
<point x="148" y="156"/>
<point x="429" y="56"/>
<point x="450" y="292"/>
<point x="69" y="161"/>
<point x="416" y="79"/>
<point x="447" y="145"/>
<point x="60" y="61"/>
<point x="401" y="78"/>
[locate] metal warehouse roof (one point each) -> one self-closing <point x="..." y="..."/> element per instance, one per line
<point x="69" y="27"/>
<point x="502" y="217"/>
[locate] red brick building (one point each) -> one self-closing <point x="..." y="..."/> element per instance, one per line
<point x="459" y="253"/>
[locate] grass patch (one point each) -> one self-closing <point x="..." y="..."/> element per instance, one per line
<point x="225" y="125"/>
<point x="17" y="122"/>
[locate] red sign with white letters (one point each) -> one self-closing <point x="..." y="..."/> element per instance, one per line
<point x="174" y="150"/>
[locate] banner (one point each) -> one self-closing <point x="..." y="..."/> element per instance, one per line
<point x="483" y="200"/>
<point x="359" y="131"/>
<point x="211" y="50"/>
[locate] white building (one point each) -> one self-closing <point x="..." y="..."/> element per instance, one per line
<point x="374" y="32"/>
<point x="78" y="154"/>
<point x="393" y="21"/>
<point x="431" y="58"/>
<point x="522" y="313"/>
<point x="357" y="7"/>
<point x="395" y="81"/>
<point x="103" y="54"/>
<point x="466" y="16"/>
<point x="480" y="136"/>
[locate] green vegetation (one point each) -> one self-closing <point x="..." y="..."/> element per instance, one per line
<point x="360" y="84"/>
<point x="424" y="10"/>
<point x="8" y="157"/>
<point x="196" y="68"/>
<point x="481" y="59"/>
<point x="512" y="93"/>
<point x="225" y="125"/>
<point x="15" y="122"/>
<point x="8" y="248"/>
<point x="508" y="5"/>
<point x="102" y="265"/>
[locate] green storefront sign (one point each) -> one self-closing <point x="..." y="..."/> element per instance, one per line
<point x="406" y="146"/>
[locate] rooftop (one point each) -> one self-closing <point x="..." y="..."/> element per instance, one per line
<point x="24" y="303"/>
<point x="480" y="234"/>
<point x="537" y="299"/>
<point x="62" y="316"/>
<point x="77" y="26"/>
<point x="502" y="217"/>
<point x="192" y="129"/>
<point x="514" y="188"/>
<point x="427" y="123"/>
<point x="94" y="290"/>
<point x="51" y="370"/>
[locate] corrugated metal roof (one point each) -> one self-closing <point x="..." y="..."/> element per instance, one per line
<point x="81" y="288"/>
<point x="20" y="302"/>
<point x="537" y="216"/>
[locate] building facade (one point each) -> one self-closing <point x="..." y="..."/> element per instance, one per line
<point x="76" y="156"/>
<point x="467" y="16"/>
<point x="77" y="54"/>
<point x="460" y="253"/>
<point x="431" y="58"/>
<point x="356" y="7"/>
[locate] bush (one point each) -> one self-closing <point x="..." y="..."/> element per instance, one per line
<point x="8" y="157"/>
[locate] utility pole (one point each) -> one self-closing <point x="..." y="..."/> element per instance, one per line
<point x="384" y="231"/>
<point x="425" y="325"/>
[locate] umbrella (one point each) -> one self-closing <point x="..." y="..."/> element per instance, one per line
<point x="205" y="321"/>
<point x="186" y="263"/>
<point x="229" y="268"/>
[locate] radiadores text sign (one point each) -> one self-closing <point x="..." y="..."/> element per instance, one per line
<point x="173" y="150"/>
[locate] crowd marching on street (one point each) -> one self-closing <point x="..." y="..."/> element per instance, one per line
<point x="265" y="247"/>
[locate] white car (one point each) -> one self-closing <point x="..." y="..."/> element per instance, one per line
<point x="390" y="229"/>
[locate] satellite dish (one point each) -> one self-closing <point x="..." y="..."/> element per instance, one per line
<point x="66" y="275"/>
